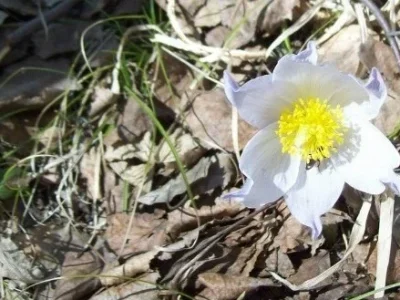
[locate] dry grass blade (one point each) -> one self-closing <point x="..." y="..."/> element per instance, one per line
<point x="384" y="242"/>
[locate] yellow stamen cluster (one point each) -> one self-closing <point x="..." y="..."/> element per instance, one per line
<point x="312" y="129"/>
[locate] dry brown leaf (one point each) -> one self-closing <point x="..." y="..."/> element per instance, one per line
<point x="226" y="287"/>
<point x="185" y="219"/>
<point x="209" y="173"/>
<point x="147" y="231"/>
<point x="101" y="98"/>
<point x="140" y="263"/>
<point x="210" y="14"/>
<point x="135" y="265"/>
<point x="277" y="13"/>
<point x="216" y="36"/>
<point x="40" y="83"/>
<point x="293" y="236"/>
<point x="342" y="49"/>
<point x="179" y="77"/>
<point x="311" y="267"/>
<point x="139" y="289"/>
<point x="279" y="262"/>
<point x="210" y="119"/>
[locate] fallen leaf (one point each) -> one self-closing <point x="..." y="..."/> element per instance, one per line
<point x="293" y="236"/>
<point x="209" y="173"/>
<point x="186" y="218"/>
<point x="179" y="79"/>
<point x="210" y="14"/>
<point x="242" y="18"/>
<point x="102" y="97"/>
<point x="210" y="119"/>
<point x="39" y="83"/>
<point x="216" y="36"/>
<point x="342" y="49"/>
<point x="146" y="232"/>
<point x="52" y="42"/>
<point x="226" y="287"/>
<point x="311" y="267"/>
<point x="276" y="13"/>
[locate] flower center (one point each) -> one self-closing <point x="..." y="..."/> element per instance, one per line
<point x="312" y="129"/>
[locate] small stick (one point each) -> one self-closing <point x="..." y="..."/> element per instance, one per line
<point x="385" y="26"/>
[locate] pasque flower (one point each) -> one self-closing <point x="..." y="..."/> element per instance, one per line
<point x="314" y="136"/>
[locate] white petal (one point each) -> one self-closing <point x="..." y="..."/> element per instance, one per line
<point x="324" y="82"/>
<point x="366" y="157"/>
<point x="392" y="180"/>
<point x="259" y="101"/>
<point x="377" y="91"/>
<point x="272" y="172"/>
<point x="314" y="193"/>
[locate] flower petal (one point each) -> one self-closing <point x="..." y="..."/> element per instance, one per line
<point x="309" y="55"/>
<point x="392" y="180"/>
<point x="377" y="94"/>
<point x="259" y="101"/>
<point x="324" y="82"/>
<point x="366" y="157"/>
<point x="272" y="172"/>
<point x="314" y="193"/>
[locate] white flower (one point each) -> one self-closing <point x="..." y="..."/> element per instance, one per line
<point x="315" y="135"/>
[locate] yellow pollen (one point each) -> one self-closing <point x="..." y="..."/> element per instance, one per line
<point x="312" y="129"/>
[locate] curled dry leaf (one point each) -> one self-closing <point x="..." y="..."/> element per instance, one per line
<point x="209" y="173"/>
<point x="140" y="263"/>
<point x="182" y="220"/>
<point x="101" y="98"/>
<point x="226" y="287"/>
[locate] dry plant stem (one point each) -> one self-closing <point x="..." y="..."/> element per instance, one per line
<point x="212" y="54"/>
<point x="384" y="242"/>
<point x="30" y="27"/>
<point x="212" y="241"/>
<point x="385" y="26"/>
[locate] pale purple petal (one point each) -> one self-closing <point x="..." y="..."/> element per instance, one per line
<point x="272" y="172"/>
<point x="377" y="94"/>
<point x="242" y="192"/>
<point x="392" y="180"/>
<point x="314" y="194"/>
<point x="366" y="157"/>
<point x="309" y="55"/>
<point x="259" y="101"/>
